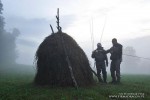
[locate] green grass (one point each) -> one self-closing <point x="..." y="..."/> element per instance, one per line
<point x="19" y="87"/>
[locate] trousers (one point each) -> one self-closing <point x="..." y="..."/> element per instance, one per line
<point x="100" y="66"/>
<point x="115" y="70"/>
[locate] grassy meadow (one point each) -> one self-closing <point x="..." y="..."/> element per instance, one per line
<point x="19" y="86"/>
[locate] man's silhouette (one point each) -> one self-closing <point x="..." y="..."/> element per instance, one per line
<point x="116" y="59"/>
<point x="101" y="58"/>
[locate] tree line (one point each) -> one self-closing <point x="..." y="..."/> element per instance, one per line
<point x="8" y="52"/>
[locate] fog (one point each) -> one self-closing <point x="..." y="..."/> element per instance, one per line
<point x="27" y="24"/>
<point x="139" y="47"/>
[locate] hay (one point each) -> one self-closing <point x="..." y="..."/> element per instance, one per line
<point x="52" y="67"/>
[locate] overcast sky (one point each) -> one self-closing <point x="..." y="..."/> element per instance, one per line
<point x="126" y="20"/>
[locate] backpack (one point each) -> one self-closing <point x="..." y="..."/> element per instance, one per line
<point x="99" y="55"/>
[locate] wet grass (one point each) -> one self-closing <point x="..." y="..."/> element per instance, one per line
<point x="19" y="86"/>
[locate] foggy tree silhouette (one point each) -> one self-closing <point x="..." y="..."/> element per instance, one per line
<point x="130" y="62"/>
<point x="8" y="52"/>
<point x="1" y="20"/>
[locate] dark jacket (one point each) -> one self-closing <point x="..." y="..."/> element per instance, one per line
<point x="100" y="55"/>
<point x="116" y="52"/>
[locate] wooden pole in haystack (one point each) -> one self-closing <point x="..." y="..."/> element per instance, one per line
<point x="57" y="17"/>
<point x="52" y="29"/>
<point x="65" y="50"/>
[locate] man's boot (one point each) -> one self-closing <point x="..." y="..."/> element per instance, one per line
<point x="113" y="81"/>
<point x="118" y="80"/>
<point x="105" y="78"/>
<point x="113" y="77"/>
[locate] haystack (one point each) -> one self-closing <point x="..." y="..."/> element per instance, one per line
<point x="52" y="66"/>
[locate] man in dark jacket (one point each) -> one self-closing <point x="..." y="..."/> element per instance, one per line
<point x="116" y="59"/>
<point x="101" y="58"/>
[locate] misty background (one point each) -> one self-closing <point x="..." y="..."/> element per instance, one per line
<point x="24" y="25"/>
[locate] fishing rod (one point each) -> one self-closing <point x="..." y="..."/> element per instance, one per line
<point x="92" y="34"/>
<point x="92" y="41"/>
<point x="103" y="29"/>
<point x="137" y="56"/>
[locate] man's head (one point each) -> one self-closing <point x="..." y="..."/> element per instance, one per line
<point x="114" y="41"/>
<point x="99" y="45"/>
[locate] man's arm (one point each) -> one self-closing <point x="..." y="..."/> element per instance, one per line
<point x="108" y="51"/>
<point x="93" y="54"/>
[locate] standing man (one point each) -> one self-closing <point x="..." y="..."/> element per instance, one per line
<point x="101" y="58"/>
<point x="116" y="59"/>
